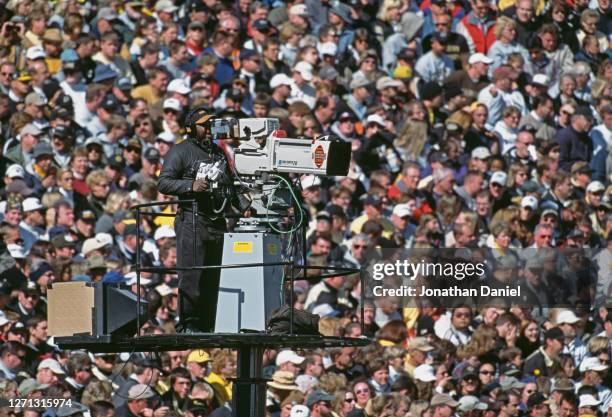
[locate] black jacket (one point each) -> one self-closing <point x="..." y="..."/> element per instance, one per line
<point x="179" y="172"/>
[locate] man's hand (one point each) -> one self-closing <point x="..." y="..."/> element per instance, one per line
<point x="199" y="185"/>
<point x="161" y="412"/>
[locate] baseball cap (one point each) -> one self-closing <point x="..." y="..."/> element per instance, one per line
<point x="420" y="343"/>
<point x="359" y="81"/>
<point x="99" y="241"/>
<point x="165" y="6"/>
<point x="164" y="231"/>
<point x="588" y="400"/>
<point x="299" y="9"/>
<point x="53" y="365"/>
<point x="166" y="137"/>
<point x="592" y="364"/>
<point x="140" y="392"/>
<point x="198" y="356"/>
<point x="280" y="79"/>
<point x="327" y="48"/>
<point x="541" y="80"/>
<point x="35" y="52"/>
<point x="261" y="25"/>
<point x="42" y="149"/>
<point x="178" y="85"/>
<point x="529" y="201"/>
<point x="481" y="153"/>
<point x="424" y="373"/>
<point x="318" y="396"/>
<point x="107" y="13"/>
<point x="402" y="210"/>
<point x="479" y="57"/>
<point x="499" y="177"/>
<point x="131" y="279"/>
<point x="469" y="403"/>
<point x="567" y="317"/>
<point x="299" y="410"/>
<point x="443" y="399"/>
<point x="563" y="384"/>
<point x="375" y="118"/>
<point x="16" y="251"/>
<point x="15" y="171"/>
<point x="387" y="82"/>
<point x="31" y="204"/>
<point x="30" y="129"/>
<point x="305" y="70"/>
<point x="595" y="186"/>
<point x="288" y="356"/>
<point x="36" y="99"/>
<point x="151" y="154"/>
<point x="308" y="181"/>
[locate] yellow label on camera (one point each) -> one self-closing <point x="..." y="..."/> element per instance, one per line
<point x="272" y="248"/>
<point x="243" y="247"/>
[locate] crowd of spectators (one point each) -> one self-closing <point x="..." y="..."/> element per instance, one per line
<point x="472" y="123"/>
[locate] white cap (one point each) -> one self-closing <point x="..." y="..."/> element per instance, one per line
<point x="167" y="137"/>
<point x="595" y="186"/>
<point x="280" y="79"/>
<point x="130" y="279"/>
<point x="402" y="210"/>
<point x="3" y="319"/>
<point x="308" y="181"/>
<point x="481" y="153"/>
<point x="16" y="251"/>
<point x="164" y="289"/>
<point x="529" y="201"/>
<point x="470" y="403"/>
<point x="15" y="171"/>
<point x="285" y="356"/>
<point x="375" y="118"/>
<point x="178" y="86"/>
<point x="52" y="364"/>
<point x="479" y="57"/>
<point x="424" y="373"/>
<point x="306" y="382"/>
<point x="567" y="316"/>
<point x="165" y="6"/>
<point x="299" y="9"/>
<point x="588" y="400"/>
<point x="327" y="48"/>
<point x="499" y="177"/>
<point x="324" y="310"/>
<point x="305" y="70"/>
<point x="164" y="231"/>
<point x="173" y="104"/>
<point x="31" y="204"/>
<point x="99" y="241"/>
<point x="386" y="82"/>
<point x="592" y="364"/>
<point x="35" y="52"/>
<point x="299" y="411"/>
<point x="541" y="79"/>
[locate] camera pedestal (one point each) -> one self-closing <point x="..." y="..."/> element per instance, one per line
<point x="247" y="296"/>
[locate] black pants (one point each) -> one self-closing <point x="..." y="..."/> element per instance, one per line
<point x="198" y="289"/>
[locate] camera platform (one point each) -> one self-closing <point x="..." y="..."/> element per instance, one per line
<point x="166" y="342"/>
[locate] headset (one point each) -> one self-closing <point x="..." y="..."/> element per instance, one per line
<point x="197" y="122"/>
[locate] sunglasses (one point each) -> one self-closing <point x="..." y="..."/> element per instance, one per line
<point x="349" y="400"/>
<point x="135" y="150"/>
<point x="360" y="246"/>
<point x="486" y="372"/>
<point x="143" y="124"/>
<point x="362" y="391"/>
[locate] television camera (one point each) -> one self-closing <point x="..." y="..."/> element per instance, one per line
<point x="263" y="161"/>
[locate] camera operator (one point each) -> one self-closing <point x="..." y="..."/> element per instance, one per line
<point x="198" y="289"/>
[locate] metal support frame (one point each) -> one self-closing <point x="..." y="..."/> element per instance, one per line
<point x="249" y="386"/>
